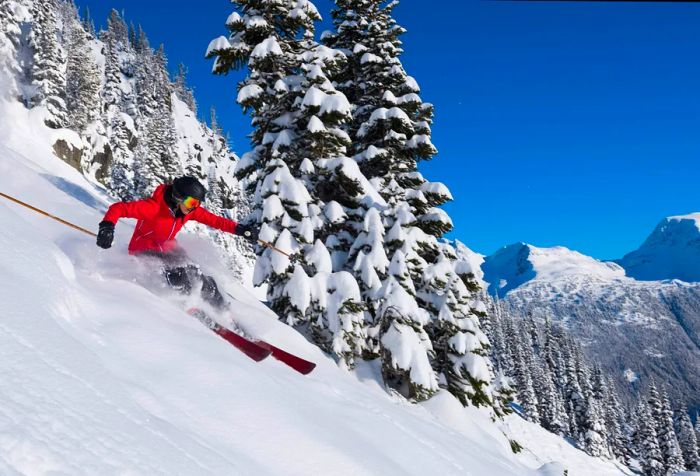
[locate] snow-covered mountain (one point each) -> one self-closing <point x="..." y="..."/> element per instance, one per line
<point x="672" y="251"/>
<point x="102" y="372"/>
<point x="635" y="329"/>
<point x="514" y="265"/>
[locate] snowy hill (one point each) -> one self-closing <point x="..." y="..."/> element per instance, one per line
<point x="636" y="329"/>
<point x="672" y="251"/>
<point x="103" y="373"/>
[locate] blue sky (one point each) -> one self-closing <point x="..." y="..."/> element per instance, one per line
<point x="573" y="124"/>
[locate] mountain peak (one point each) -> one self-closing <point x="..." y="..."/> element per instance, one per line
<point x="672" y="251"/>
<point x="516" y="264"/>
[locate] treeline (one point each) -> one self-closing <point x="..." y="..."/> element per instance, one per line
<point x="560" y="390"/>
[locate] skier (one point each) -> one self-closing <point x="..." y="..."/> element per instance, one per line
<point x="160" y="217"/>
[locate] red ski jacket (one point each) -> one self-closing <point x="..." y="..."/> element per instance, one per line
<point x="157" y="225"/>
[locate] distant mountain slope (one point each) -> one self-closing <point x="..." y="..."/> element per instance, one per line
<point x="672" y="251"/>
<point x="636" y="329"/>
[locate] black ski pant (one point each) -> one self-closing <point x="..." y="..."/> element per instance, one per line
<point x="181" y="275"/>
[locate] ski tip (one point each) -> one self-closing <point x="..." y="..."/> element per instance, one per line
<point x="302" y="366"/>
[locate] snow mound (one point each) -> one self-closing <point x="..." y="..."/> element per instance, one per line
<point x="672" y="251"/>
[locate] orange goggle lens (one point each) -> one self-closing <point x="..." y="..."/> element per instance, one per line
<point x="191" y="202"/>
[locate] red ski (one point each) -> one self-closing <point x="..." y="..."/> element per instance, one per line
<point x="251" y="349"/>
<point x="297" y="363"/>
<point x="255" y="349"/>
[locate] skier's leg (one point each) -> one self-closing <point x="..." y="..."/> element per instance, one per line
<point x="178" y="278"/>
<point x="211" y="293"/>
<point x="182" y="277"/>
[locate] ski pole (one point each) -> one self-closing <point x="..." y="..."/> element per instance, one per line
<point x="267" y="244"/>
<point x="42" y="212"/>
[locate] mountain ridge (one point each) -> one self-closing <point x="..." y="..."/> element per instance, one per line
<point x="649" y="328"/>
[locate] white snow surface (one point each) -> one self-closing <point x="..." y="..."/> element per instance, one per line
<point x="102" y="372"/>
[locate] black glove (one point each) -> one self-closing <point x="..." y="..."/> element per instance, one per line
<point x="249" y="232"/>
<point x="106" y="234"/>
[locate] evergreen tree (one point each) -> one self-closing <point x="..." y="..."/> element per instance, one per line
<point x="499" y="354"/>
<point x="296" y="113"/>
<point x="459" y="344"/>
<point x="666" y="436"/>
<point x="573" y="394"/>
<point x="668" y="441"/>
<point x="48" y="74"/>
<point x="650" y="457"/>
<point x="688" y="441"/>
<point x="697" y="426"/>
<point x="618" y="440"/>
<point x="551" y="406"/>
<point x="592" y="430"/>
<point x="182" y="90"/>
<point x="522" y="360"/>
<point x="390" y="134"/>
<point x="83" y="80"/>
<point x="11" y="15"/>
<point x="162" y="131"/>
<point x="119" y="106"/>
<point x="214" y="121"/>
<point x="89" y="24"/>
<point x="405" y="346"/>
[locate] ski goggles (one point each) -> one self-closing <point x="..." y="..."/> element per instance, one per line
<point x="191" y="203"/>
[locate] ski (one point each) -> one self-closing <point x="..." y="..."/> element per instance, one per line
<point x="255" y="349"/>
<point x="302" y="366"/>
<point x="251" y="349"/>
<point x="297" y="363"/>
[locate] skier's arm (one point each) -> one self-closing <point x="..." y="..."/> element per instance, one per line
<point x="205" y="217"/>
<point x="139" y="209"/>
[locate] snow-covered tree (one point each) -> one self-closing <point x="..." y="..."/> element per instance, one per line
<point x="390" y="134"/>
<point x="405" y="346"/>
<point x="592" y="430"/>
<point x="660" y="408"/>
<point x="89" y="24"/>
<point x="182" y="90"/>
<point x="522" y="362"/>
<point x="12" y="13"/>
<point x="650" y="457"/>
<point x="297" y="169"/>
<point x="460" y="345"/>
<point x="573" y="394"/>
<point x="83" y="80"/>
<point x="688" y="441"/>
<point x="614" y="415"/>
<point x="119" y="105"/>
<point x="48" y="72"/>
<point x="551" y="405"/>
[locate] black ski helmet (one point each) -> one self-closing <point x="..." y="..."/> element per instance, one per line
<point x="184" y="187"/>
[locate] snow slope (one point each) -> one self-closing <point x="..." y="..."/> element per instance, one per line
<point x="101" y="371"/>
<point x="672" y="251"/>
